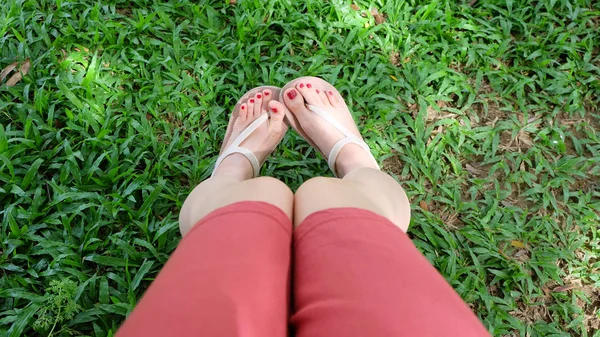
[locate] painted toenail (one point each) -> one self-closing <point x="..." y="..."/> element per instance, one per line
<point x="251" y="100"/>
<point x="243" y="107"/>
<point x="309" y="85"/>
<point x="274" y="109"/>
<point x="318" y="91"/>
<point x="292" y="94"/>
<point x="258" y="96"/>
<point x="266" y="93"/>
<point x="301" y="85"/>
<point x="330" y="93"/>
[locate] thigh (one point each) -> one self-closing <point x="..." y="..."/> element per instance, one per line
<point x="229" y="277"/>
<point x="357" y="274"/>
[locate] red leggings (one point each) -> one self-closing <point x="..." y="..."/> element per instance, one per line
<point x="351" y="273"/>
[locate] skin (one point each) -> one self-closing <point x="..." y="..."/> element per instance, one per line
<point x="360" y="177"/>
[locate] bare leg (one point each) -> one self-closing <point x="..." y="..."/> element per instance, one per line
<point x="363" y="184"/>
<point x="355" y="273"/>
<point x="220" y="191"/>
<point x="232" y="181"/>
<point x="365" y="188"/>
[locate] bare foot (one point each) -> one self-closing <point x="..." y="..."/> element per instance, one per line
<point x="321" y="132"/>
<point x="261" y="142"/>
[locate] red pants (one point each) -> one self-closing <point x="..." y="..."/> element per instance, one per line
<point x="351" y="273"/>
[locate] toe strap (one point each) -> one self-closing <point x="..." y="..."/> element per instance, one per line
<point x="236" y="148"/>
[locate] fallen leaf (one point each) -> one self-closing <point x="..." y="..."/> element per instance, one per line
<point x="7" y="70"/>
<point x="521" y="255"/>
<point x="232" y="2"/>
<point x="16" y="78"/>
<point x="564" y="288"/>
<point x="423" y="205"/>
<point x="379" y="18"/>
<point x="355" y="7"/>
<point x="518" y="244"/>
<point x="394" y="59"/>
<point x="393" y="78"/>
<point x="473" y="170"/>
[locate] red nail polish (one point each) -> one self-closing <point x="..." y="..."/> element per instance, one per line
<point x="318" y="91"/>
<point x="301" y="85"/>
<point x="274" y="109"/>
<point x="266" y="93"/>
<point x="309" y="85"/>
<point x="292" y="94"/>
<point x="243" y="107"/>
<point x="258" y="96"/>
<point x="330" y="93"/>
<point x="251" y="100"/>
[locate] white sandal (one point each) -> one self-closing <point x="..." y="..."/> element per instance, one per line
<point x="349" y="136"/>
<point x="235" y="145"/>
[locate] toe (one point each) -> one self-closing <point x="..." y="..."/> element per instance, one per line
<point x="267" y="96"/>
<point x="251" y="108"/>
<point x="258" y="104"/>
<point x="323" y="97"/>
<point x="243" y="112"/>
<point x="333" y="99"/>
<point x="277" y="112"/>
<point x="294" y="102"/>
<point x="308" y="91"/>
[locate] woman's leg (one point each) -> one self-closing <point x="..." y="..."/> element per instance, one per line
<point x="230" y="274"/>
<point x="356" y="273"/>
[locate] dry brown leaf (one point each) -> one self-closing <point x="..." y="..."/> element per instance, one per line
<point x="379" y="18"/>
<point x="517" y="243"/>
<point x="7" y="70"/>
<point x="564" y="288"/>
<point x="232" y="2"/>
<point x="423" y="205"/>
<point x="355" y="7"/>
<point x="394" y="58"/>
<point x="16" y="78"/>
<point x="473" y="170"/>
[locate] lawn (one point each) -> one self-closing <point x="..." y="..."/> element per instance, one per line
<point x="486" y="111"/>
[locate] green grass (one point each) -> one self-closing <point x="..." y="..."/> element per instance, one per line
<point x="486" y="112"/>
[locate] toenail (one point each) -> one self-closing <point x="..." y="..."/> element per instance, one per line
<point x="259" y="96"/>
<point x="251" y="100"/>
<point x="330" y="93"/>
<point x="301" y="85"/>
<point x="266" y="93"/>
<point x="292" y="94"/>
<point x="274" y="109"/>
<point x="309" y="85"/>
<point x="318" y="91"/>
<point x="243" y="107"/>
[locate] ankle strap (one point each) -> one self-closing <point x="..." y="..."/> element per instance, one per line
<point x="349" y="138"/>
<point x="236" y="148"/>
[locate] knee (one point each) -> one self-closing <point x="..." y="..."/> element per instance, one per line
<point x="271" y="185"/>
<point x="317" y="186"/>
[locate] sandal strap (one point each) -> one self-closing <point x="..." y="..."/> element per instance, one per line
<point x="236" y="148"/>
<point x="349" y="138"/>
